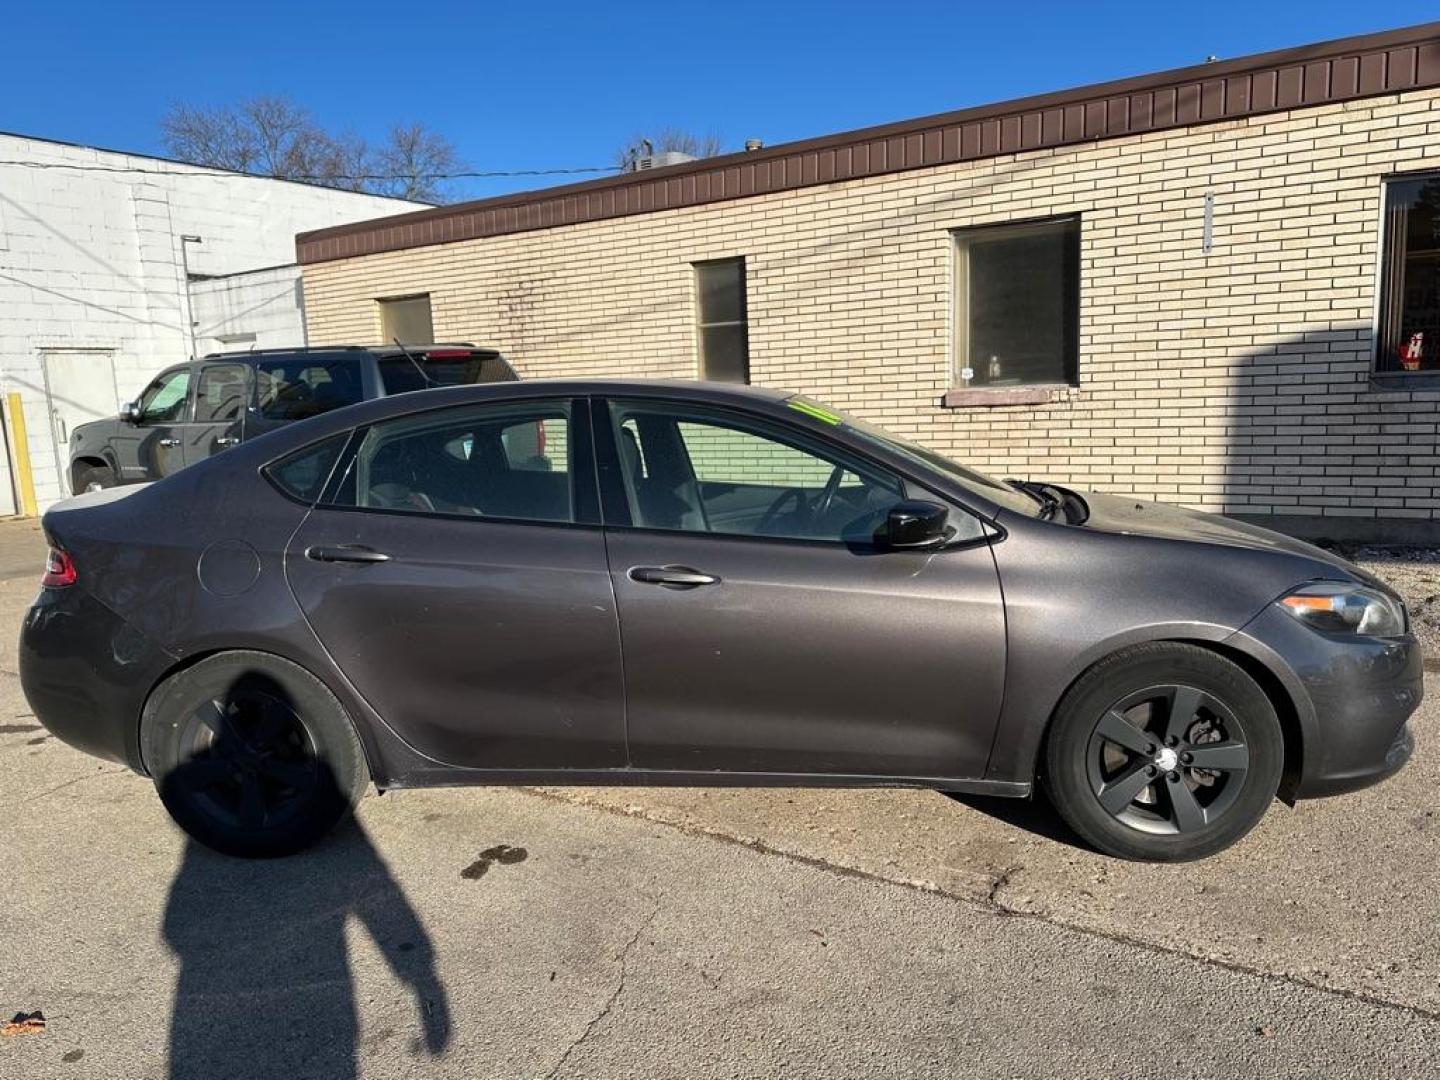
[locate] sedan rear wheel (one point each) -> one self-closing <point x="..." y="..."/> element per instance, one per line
<point x="251" y="754"/>
<point x="1164" y="752"/>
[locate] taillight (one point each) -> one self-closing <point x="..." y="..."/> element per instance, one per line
<point x="59" y="570"/>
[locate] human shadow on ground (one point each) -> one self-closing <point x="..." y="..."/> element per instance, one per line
<point x="265" y="986"/>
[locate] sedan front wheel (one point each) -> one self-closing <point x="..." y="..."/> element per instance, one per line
<point x="1164" y="752"/>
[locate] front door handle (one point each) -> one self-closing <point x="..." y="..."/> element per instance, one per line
<point x="347" y="553"/>
<point x="674" y="577"/>
<point x="227" y="440"/>
<point x="169" y="442"/>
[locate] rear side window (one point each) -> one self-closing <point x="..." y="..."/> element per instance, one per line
<point x="302" y="475"/>
<point x="302" y="387"/>
<point x="494" y="461"/>
<point x="402" y="374"/>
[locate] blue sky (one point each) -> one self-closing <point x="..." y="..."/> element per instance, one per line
<point x="563" y="85"/>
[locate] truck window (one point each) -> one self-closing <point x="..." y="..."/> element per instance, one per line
<point x="400" y="375"/>
<point x="301" y="387"/>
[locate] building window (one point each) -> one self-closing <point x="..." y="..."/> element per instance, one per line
<point x="1409" y="338"/>
<point x="1018" y="304"/>
<point x="406" y="319"/>
<point x="720" y="327"/>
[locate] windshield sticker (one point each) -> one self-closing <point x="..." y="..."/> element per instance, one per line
<point x="813" y="411"/>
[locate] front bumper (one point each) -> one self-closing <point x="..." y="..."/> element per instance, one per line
<point x="87" y="672"/>
<point x="1354" y="697"/>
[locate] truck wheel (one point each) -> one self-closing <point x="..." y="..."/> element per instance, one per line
<point x="93" y="478"/>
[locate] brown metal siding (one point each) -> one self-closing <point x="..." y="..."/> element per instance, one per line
<point x="1313" y="75"/>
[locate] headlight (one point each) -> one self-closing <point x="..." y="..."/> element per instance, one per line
<point x="1339" y="607"/>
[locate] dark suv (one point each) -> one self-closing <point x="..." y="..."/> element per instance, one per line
<point x="191" y="411"/>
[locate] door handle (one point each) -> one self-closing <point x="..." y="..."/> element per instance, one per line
<point x="169" y="442"/>
<point x="347" y="553"/>
<point x="673" y="577"/>
<point x="227" y="440"/>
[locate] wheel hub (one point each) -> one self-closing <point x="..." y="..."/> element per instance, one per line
<point x="1167" y="759"/>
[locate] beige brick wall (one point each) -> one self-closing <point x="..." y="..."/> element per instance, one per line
<point x="1231" y="381"/>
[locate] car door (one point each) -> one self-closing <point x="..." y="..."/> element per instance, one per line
<point x="221" y="394"/>
<point x="153" y="446"/>
<point x="460" y="583"/>
<point x="763" y="630"/>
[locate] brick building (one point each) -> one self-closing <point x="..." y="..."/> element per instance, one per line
<point x="1214" y="286"/>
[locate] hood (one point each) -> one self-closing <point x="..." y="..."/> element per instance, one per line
<point x="1135" y="517"/>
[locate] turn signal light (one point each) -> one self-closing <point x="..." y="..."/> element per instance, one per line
<point x="59" y="570"/>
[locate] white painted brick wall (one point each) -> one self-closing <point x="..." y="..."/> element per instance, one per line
<point x="91" y="259"/>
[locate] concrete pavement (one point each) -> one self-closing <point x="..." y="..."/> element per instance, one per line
<point x="569" y="932"/>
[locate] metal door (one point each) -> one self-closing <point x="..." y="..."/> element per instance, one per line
<point x="79" y="388"/>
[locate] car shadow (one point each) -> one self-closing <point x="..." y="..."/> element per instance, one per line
<point x="265" y="986"/>
<point x="1034" y="815"/>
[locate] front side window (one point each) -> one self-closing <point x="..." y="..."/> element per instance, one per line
<point x="1409" y="338"/>
<point x="165" y="401"/>
<point x="1018" y="304"/>
<point x="220" y="396"/>
<point x="721" y="326"/>
<point x="708" y="471"/>
<point x="302" y="387"/>
<point x="406" y="319"/>
<point x="510" y="461"/>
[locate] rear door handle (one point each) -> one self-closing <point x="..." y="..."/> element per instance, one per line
<point x="674" y="577"/>
<point x="227" y="440"/>
<point x="347" y="553"/>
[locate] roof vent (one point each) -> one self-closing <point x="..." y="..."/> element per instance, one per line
<point x="642" y="162"/>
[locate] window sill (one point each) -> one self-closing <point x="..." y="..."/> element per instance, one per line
<point x="1389" y="381"/>
<point x="991" y="397"/>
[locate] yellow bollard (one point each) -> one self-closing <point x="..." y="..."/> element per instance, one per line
<point x="20" y="448"/>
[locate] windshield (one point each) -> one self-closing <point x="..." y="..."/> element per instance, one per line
<point x="987" y="487"/>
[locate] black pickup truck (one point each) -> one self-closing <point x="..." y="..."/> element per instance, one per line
<point x="193" y="410"/>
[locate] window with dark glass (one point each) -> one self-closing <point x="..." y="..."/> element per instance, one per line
<point x="1409" y="330"/>
<point x="721" y="325"/>
<point x="302" y="475"/>
<point x="220" y="396"/>
<point x="301" y="387"/>
<point x="1018" y="304"/>
<point x="494" y="461"/>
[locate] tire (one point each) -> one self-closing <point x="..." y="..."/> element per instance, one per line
<point x="1131" y="793"/>
<point x="93" y="478"/>
<point x="252" y="755"/>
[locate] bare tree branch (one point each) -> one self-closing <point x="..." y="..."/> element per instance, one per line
<point x="670" y="139"/>
<point x="273" y="136"/>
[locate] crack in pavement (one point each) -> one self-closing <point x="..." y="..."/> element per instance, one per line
<point x="992" y="904"/>
<point x="623" y="956"/>
<point x="70" y="783"/>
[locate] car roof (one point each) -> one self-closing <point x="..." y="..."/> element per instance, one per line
<point x="349" y="351"/>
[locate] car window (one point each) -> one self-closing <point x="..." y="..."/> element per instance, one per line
<point x="707" y="471"/>
<point x="402" y="374"/>
<point x="220" y="396"/>
<point x="510" y="461"/>
<point x="165" y="400"/>
<point x="301" y="387"/>
<point x="302" y="475"/>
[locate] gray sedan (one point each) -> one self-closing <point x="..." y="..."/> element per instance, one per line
<point x="681" y="583"/>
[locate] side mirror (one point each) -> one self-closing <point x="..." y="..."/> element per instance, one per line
<point x="914" y="524"/>
<point x="130" y="413"/>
